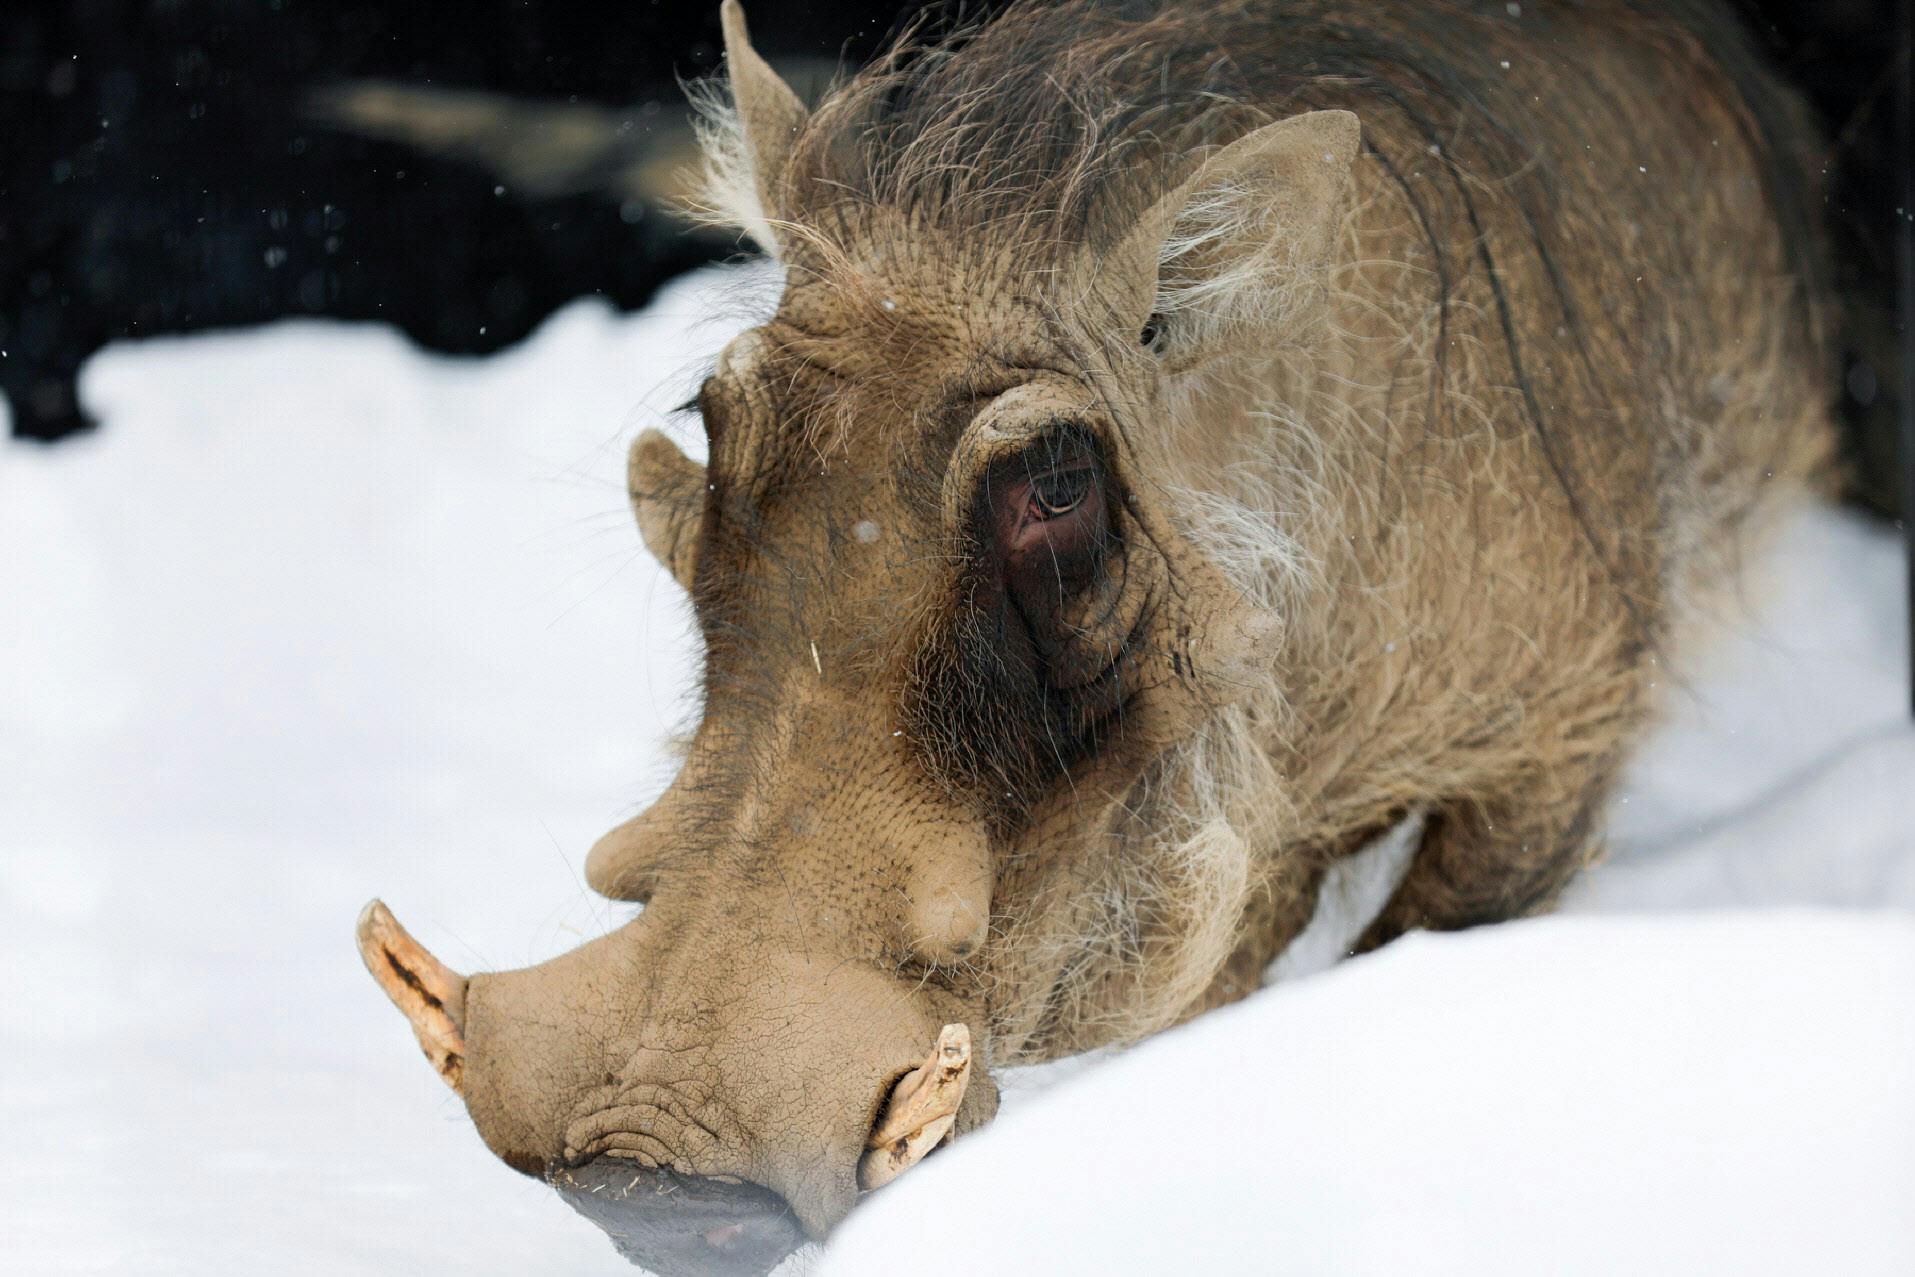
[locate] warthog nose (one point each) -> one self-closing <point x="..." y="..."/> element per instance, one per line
<point x="673" y="1223"/>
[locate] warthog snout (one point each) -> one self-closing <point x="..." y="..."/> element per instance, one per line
<point x="669" y="1222"/>
<point x="698" y="1143"/>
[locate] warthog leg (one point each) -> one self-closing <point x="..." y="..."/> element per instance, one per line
<point x="920" y="1112"/>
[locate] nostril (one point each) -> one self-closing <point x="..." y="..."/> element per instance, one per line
<point x="672" y="1223"/>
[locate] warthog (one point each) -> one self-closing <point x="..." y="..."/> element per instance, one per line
<point x="1191" y="438"/>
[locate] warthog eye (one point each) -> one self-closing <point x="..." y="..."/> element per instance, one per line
<point x="1049" y="508"/>
<point x="1053" y="533"/>
<point x="1013" y="689"/>
<point x="1060" y="492"/>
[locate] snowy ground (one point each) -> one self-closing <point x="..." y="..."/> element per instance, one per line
<point x="317" y="617"/>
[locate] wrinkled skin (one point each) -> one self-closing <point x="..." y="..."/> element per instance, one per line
<point x="821" y="875"/>
<point x="876" y="598"/>
<point x="995" y="734"/>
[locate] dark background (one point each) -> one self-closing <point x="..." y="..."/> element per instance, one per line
<point x="160" y="171"/>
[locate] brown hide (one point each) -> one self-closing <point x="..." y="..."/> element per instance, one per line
<point x="1185" y="445"/>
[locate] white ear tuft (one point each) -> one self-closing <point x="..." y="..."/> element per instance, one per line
<point x="746" y="136"/>
<point x="727" y="191"/>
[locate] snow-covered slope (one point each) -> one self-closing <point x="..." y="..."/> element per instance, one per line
<point x="1683" y="1093"/>
<point x="317" y="617"/>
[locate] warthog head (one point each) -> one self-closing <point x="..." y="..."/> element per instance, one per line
<point x="960" y="662"/>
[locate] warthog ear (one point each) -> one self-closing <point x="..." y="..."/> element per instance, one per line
<point x="747" y="155"/>
<point x="668" y="497"/>
<point x="1243" y="238"/>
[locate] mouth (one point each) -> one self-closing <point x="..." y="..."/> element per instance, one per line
<point x="675" y="1223"/>
<point x="672" y="1223"/>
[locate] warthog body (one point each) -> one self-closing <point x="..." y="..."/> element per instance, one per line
<point x="1190" y="441"/>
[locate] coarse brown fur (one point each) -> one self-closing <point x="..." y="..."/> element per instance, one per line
<point x="1409" y="456"/>
<point x="1541" y="402"/>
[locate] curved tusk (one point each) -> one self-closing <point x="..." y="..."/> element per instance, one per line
<point x="922" y="1108"/>
<point x="431" y="994"/>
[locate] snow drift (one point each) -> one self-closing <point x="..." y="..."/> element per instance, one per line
<point x="1676" y="1094"/>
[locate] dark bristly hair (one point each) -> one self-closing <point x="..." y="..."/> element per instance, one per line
<point x="1043" y="126"/>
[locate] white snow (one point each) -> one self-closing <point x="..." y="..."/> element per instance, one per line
<point x="1669" y="1094"/>
<point x="317" y="617"/>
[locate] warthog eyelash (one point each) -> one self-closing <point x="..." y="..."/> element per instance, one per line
<point x="1056" y="502"/>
